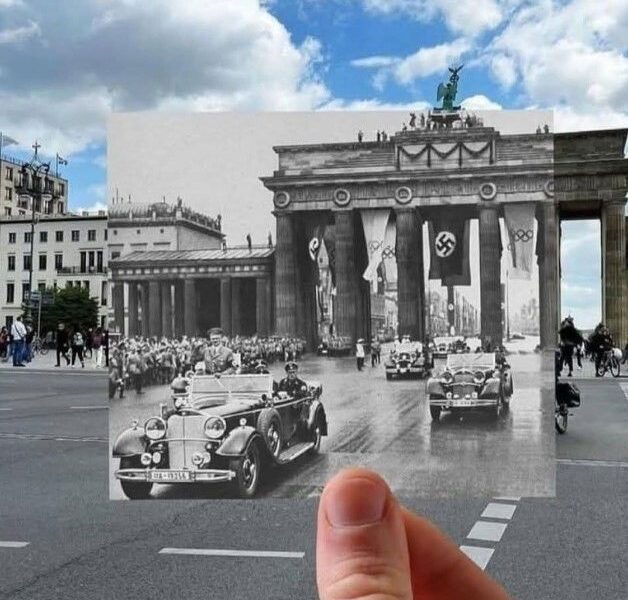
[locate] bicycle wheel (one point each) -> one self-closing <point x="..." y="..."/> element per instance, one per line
<point x="614" y="366"/>
<point x="43" y="349"/>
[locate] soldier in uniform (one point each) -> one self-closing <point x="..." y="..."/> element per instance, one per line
<point x="217" y="357"/>
<point x="291" y="384"/>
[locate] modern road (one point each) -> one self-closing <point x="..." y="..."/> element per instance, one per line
<point x="60" y="536"/>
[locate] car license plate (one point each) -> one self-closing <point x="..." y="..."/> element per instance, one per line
<point x="170" y="476"/>
<point x="462" y="403"/>
<point x="401" y="370"/>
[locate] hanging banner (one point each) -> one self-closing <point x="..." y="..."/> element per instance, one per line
<point x="374" y="222"/>
<point x="449" y="249"/>
<point x="388" y="253"/>
<point x="329" y="239"/>
<point x="519" y="222"/>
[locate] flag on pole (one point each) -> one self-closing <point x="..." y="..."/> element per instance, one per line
<point x="5" y="140"/>
<point x="61" y="161"/>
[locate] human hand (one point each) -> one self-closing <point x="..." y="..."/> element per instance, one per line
<point x="369" y="546"/>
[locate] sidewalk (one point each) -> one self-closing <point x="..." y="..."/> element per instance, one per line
<point x="588" y="371"/>
<point x="47" y="362"/>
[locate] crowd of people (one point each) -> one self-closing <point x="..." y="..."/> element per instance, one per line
<point x="140" y="362"/>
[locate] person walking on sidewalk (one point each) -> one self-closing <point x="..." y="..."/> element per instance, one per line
<point x="78" y="344"/>
<point x="359" y="353"/>
<point x="97" y="345"/>
<point x="18" y="331"/>
<point x="63" y="343"/>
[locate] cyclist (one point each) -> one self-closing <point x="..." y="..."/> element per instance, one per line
<point x="570" y="340"/>
<point x="601" y="342"/>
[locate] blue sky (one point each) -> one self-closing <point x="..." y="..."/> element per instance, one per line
<point x="63" y="71"/>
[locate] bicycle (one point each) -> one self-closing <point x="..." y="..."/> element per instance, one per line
<point x="39" y="346"/>
<point x="610" y="363"/>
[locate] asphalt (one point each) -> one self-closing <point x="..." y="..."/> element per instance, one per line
<point x="54" y="490"/>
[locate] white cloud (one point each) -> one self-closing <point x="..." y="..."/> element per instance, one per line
<point x="377" y="62"/>
<point x="97" y="191"/>
<point x="19" y="34"/>
<point x="95" y="57"/>
<point x="470" y="17"/>
<point x="480" y="102"/>
<point x="504" y="70"/>
<point x="11" y="3"/>
<point x="428" y="61"/>
<point x="91" y="208"/>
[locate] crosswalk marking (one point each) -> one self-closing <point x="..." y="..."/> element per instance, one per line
<point x="487" y="531"/>
<point x="13" y="544"/>
<point x="497" y="510"/>
<point x="238" y="553"/>
<point x="592" y="463"/>
<point x="479" y="555"/>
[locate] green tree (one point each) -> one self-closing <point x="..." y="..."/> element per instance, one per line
<point x="72" y="306"/>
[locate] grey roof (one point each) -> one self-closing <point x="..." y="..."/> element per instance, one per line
<point x="240" y="253"/>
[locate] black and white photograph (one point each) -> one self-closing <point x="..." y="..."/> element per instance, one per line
<point x="298" y="293"/>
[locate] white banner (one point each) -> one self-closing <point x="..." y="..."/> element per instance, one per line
<point x="374" y="222"/>
<point x="519" y="222"/>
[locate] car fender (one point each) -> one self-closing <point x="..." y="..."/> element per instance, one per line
<point x="491" y="388"/>
<point x="130" y="442"/>
<point x="237" y="441"/>
<point x="316" y="409"/>
<point x="434" y="388"/>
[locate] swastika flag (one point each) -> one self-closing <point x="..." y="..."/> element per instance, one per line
<point x="449" y="249"/>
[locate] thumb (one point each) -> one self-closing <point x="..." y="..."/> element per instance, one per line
<point x="362" y="550"/>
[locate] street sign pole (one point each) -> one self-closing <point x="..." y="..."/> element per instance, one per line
<point x="39" y="317"/>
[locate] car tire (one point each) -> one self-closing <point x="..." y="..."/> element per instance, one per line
<point x="435" y="412"/>
<point x="561" y="418"/>
<point x="134" y="490"/>
<point x="269" y="425"/>
<point x="316" y="434"/>
<point x="247" y="469"/>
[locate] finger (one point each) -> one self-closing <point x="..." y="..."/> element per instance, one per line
<point x="361" y="547"/>
<point x="440" y="570"/>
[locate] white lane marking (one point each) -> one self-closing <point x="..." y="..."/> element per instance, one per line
<point x="496" y="510"/>
<point x="592" y="463"/>
<point x="89" y="407"/>
<point x="50" y="437"/>
<point x="487" y="531"/>
<point x="6" y="409"/>
<point x="13" y="544"/>
<point x="508" y="498"/>
<point x="238" y="553"/>
<point x="480" y="556"/>
<point x="624" y="388"/>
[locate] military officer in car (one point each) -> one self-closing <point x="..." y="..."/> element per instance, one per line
<point x="217" y="357"/>
<point x="291" y="384"/>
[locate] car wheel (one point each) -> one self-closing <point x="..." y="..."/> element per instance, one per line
<point x="316" y="435"/>
<point x="134" y="490"/>
<point x="247" y="470"/>
<point x="269" y="425"/>
<point x="435" y="412"/>
<point x="561" y="418"/>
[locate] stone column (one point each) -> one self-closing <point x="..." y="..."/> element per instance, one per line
<point x="133" y="309"/>
<point x="451" y="314"/>
<point x="154" y="315"/>
<point x="490" y="274"/>
<point x="548" y="226"/>
<point x="145" y="302"/>
<point x="189" y="311"/>
<point x="286" y="276"/>
<point x="179" y="309"/>
<point x="225" y="305"/>
<point x="166" y="308"/>
<point x="117" y="296"/>
<point x="614" y="261"/>
<point x="409" y="274"/>
<point x="346" y="288"/>
<point x="236" y="308"/>
<point x="262" y="313"/>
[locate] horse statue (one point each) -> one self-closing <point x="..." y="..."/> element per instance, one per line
<point x="449" y="90"/>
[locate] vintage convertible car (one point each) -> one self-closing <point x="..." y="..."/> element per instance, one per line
<point x="471" y="381"/>
<point x="220" y="429"/>
<point x="411" y="358"/>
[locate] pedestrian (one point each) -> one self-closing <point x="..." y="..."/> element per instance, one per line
<point x="4" y="343"/>
<point x="28" y="344"/>
<point x="570" y="339"/>
<point x="78" y="344"/>
<point x="18" y="334"/>
<point x="359" y="353"/>
<point x="97" y="345"/>
<point x="62" y="344"/>
<point x="373" y="353"/>
<point x="89" y="343"/>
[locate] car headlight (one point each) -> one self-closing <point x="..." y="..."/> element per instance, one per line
<point x="447" y="377"/>
<point x="448" y="395"/>
<point x="478" y="377"/>
<point x="215" y="427"/>
<point x="180" y="401"/>
<point x="155" y="428"/>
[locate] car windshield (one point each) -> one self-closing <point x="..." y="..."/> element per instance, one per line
<point x="229" y="388"/>
<point x="482" y="360"/>
<point x="409" y="347"/>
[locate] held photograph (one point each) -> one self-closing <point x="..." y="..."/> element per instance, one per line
<point x="294" y="293"/>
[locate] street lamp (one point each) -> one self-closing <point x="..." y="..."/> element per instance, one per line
<point x="33" y="183"/>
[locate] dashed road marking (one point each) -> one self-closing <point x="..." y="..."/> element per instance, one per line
<point x="624" y="388"/>
<point x="6" y="409"/>
<point x="50" y="437"/>
<point x="236" y="553"/>
<point x="497" y="510"/>
<point x="508" y="498"/>
<point x="479" y="555"/>
<point x="89" y="407"/>
<point x="487" y="531"/>
<point x="13" y="544"/>
<point x="592" y="463"/>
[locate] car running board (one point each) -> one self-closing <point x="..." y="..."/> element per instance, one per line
<point x="289" y="454"/>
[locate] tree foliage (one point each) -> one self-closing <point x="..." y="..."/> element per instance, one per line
<point x="72" y="306"/>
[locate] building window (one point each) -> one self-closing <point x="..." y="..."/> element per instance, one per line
<point x="91" y="235"/>
<point x="25" y="291"/>
<point x="43" y="262"/>
<point x="83" y="262"/>
<point x="41" y="286"/>
<point x="27" y="237"/>
<point x="106" y="236"/>
<point x="12" y="237"/>
<point x="58" y="262"/>
<point x="62" y="189"/>
<point x="103" y="294"/>
<point x="27" y="262"/>
<point x="58" y="236"/>
<point x="91" y="260"/>
<point x="86" y="285"/>
<point x="76" y="235"/>
<point x="60" y="208"/>
<point x="8" y="173"/>
<point x="114" y="255"/>
<point x="11" y="266"/>
<point x="99" y="265"/>
<point x="8" y="194"/>
<point x="10" y="293"/>
<point x="43" y="236"/>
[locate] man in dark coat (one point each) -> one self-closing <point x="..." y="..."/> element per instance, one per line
<point x="62" y="344"/>
<point x="570" y="339"/>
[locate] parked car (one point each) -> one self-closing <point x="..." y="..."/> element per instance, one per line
<point x="231" y="428"/>
<point x="410" y="358"/>
<point x="340" y="346"/>
<point x="471" y="381"/>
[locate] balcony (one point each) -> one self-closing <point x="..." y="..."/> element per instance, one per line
<point x="79" y="271"/>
